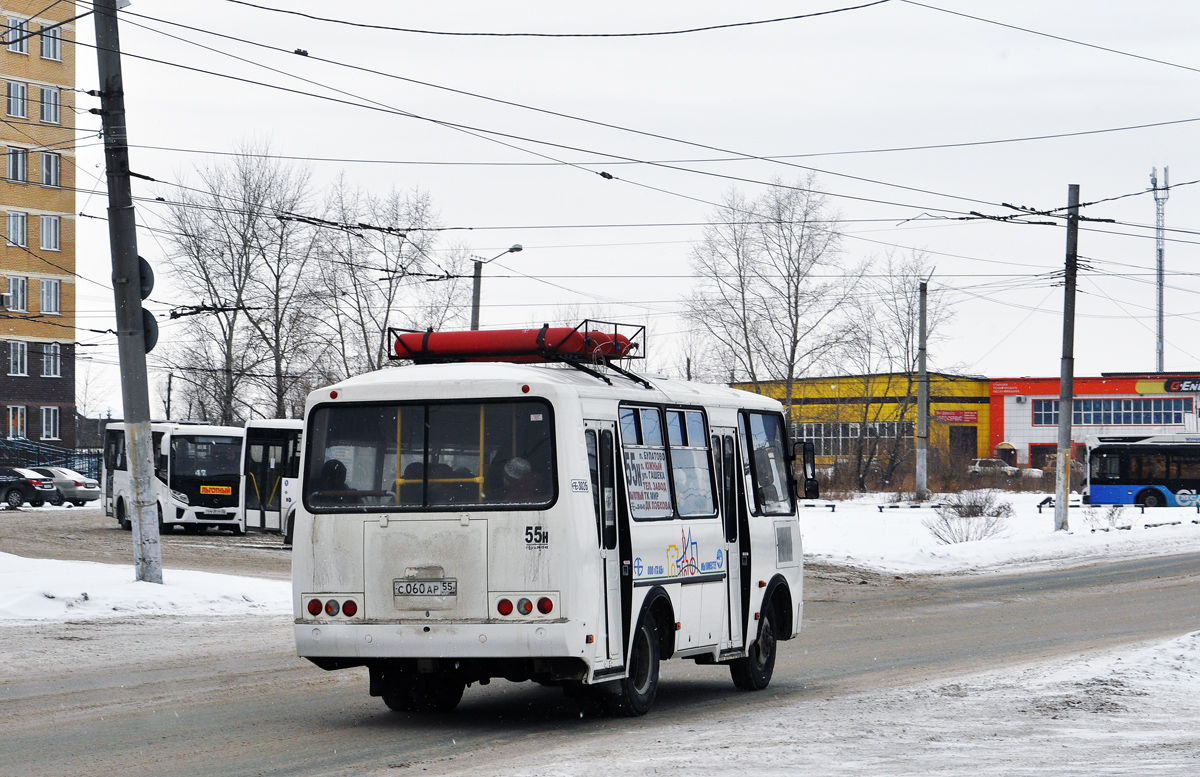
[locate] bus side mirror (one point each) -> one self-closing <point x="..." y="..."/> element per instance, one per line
<point x="806" y="485"/>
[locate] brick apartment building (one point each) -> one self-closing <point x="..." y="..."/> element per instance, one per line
<point x="37" y="193"/>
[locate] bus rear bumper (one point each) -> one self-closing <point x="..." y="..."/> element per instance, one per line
<point x="545" y="639"/>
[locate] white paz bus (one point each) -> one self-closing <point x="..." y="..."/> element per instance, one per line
<point x="197" y="476"/>
<point x="270" y="473"/>
<point x="465" y="521"/>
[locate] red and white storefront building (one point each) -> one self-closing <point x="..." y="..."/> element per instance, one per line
<point x="1024" y="411"/>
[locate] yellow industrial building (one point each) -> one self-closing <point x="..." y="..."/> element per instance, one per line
<point x="846" y="414"/>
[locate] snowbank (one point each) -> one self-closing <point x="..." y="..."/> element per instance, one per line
<point x="895" y="540"/>
<point x="43" y="589"/>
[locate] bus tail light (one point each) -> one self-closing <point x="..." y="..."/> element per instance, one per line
<point x="332" y="607"/>
<point x="545" y="605"/>
<point x="504" y="607"/>
<point x="314" y="607"/>
<point x="349" y="608"/>
<point x="524" y="606"/>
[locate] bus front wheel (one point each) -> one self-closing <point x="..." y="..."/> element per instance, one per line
<point x="636" y="692"/>
<point x="753" y="672"/>
<point x="1151" y="498"/>
<point x="122" y="517"/>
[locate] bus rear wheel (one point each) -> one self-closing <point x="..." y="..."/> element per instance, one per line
<point x="426" y="693"/>
<point x="636" y="692"/>
<point x="753" y="673"/>
<point x="1150" y="498"/>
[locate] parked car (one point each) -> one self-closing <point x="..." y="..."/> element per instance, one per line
<point x="73" y="488"/>
<point x="19" y="486"/>
<point x="993" y="467"/>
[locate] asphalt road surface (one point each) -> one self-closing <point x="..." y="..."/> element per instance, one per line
<point x="170" y="696"/>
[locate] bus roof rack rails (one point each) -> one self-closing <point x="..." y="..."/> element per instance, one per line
<point x="585" y="347"/>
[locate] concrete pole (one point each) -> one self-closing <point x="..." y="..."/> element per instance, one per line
<point x="1066" y="384"/>
<point x="922" y="480"/>
<point x="1160" y="201"/>
<point x="127" y="285"/>
<point x="475" y="295"/>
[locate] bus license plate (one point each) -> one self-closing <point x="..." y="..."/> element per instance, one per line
<point x="441" y="587"/>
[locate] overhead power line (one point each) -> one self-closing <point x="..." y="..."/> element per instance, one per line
<point x="453" y="33"/>
<point x="1054" y="37"/>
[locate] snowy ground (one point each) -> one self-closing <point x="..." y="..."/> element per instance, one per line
<point x="46" y="589"/>
<point x="895" y="539"/>
<point x="1134" y="711"/>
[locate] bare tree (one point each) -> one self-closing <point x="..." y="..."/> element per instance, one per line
<point x="884" y="326"/>
<point x="282" y="302"/>
<point x="245" y="267"/>
<point x="770" y="279"/>
<point x="379" y="269"/>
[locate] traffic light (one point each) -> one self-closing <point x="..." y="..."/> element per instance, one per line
<point x="149" y="324"/>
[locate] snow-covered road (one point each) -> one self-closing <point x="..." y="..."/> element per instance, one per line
<point x="1129" y="710"/>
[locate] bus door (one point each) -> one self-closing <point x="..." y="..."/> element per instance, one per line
<point x="724" y="457"/>
<point x="265" y="465"/>
<point x="601" y="448"/>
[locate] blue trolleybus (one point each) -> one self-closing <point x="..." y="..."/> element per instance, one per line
<point x="1159" y="471"/>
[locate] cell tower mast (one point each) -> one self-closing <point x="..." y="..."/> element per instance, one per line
<point x="1160" y="199"/>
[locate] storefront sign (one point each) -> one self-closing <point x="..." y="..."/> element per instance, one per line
<point x="1176" y="385"/>
<point x="1000" y="387"/>
<point x="957" y="416"/>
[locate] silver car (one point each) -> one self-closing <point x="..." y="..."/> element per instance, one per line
<point x="72" y="487"/>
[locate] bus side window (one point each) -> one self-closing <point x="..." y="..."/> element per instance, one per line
<point x="751" y="494"/>
<point x="160" y="461"/>
<point x="729" y="488"/>
<point x="689" y="463"/>
<point x="593" y="455"/>
<point x="608" y="489"/>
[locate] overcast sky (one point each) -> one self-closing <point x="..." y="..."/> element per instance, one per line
<point x="831" y="92"/>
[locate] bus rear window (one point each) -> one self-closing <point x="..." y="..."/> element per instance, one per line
<point x="430" y="456"/>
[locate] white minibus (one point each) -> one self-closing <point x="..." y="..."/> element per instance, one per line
<point x="196" y="476"/>
<point x="460" y="522"/>
<point x="270" y="472"/>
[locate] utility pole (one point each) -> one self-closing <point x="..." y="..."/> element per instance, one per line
<point x="127" y="292"/>
<point x="476" y="286"/>
<point x="922" y="484"/>
<point x="1160" y="240"/>
<point x="1066" y="382"/>
<point x="170" y="377"/>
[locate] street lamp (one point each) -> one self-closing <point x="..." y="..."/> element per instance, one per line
<point x="479" y="263"/>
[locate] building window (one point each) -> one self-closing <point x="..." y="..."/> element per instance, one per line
<point x="51" y="169"/>
<point x="16" y="234"/>
<point x="51" y="238"/>
<point x="16" y="421"/>
<point x="50" y="105"/>
<point x="18" y="164"/>
<point x="16" y="99"/>
<point x="51" y="360"/>
<point x="18" y="288"/>
<point x="1045" y="412"/>
<point x="842" y="439"/>
<point x="18" y="35"/>
<point x="1115" y="412"/>
<point x="18" y="358"/>
<point x="52" y="44"/>
<point x="49" y="423"/>
<point x="51" y="296"/>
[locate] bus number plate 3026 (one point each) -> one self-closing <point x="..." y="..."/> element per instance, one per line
<point x="439" y="587"/>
